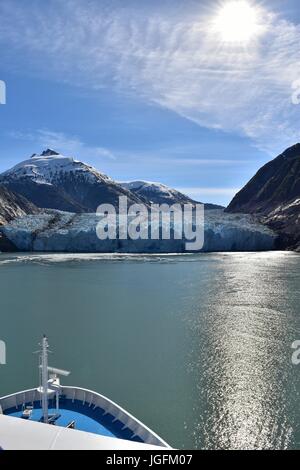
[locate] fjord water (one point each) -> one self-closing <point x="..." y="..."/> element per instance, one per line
<point x="198" y="347"/>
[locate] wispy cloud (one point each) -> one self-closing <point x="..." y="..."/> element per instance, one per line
<point x="162" y="156"/>
<point x="171" y="60"/>
<point x="69" y="145"/>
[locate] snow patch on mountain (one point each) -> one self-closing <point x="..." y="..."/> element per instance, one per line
<point x="156" y="193"/>
<point x="148" y="186"/>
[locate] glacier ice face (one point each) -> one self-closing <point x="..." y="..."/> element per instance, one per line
<point x="56" y="231"/>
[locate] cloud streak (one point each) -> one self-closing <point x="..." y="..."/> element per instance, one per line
<point x="69" y="145"/>
<point x="172" y="60"/>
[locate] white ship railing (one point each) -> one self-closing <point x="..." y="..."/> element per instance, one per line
<point x="94" y="400"/>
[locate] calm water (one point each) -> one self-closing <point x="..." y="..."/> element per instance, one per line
<point x="197" y="347"/>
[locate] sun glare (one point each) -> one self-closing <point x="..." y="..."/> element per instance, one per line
<point x="237" y="21"/>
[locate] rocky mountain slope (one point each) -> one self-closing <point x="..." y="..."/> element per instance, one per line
<point x="11" y="206"/>
<point x="54" y="181"/>
<point x="285" y="220"/>
<point x="274" y="195"/>
<point x="158" y="193"/>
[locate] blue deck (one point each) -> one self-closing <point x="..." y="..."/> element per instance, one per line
<point x="86" y="418"/>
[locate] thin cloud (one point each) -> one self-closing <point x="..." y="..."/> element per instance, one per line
<point x="161" y="157"/>
<point x="173" y="61"/>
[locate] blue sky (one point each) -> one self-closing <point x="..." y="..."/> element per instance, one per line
<point x="147" y="90"/>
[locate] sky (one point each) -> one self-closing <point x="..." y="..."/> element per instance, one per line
<point x="151" y="89"/>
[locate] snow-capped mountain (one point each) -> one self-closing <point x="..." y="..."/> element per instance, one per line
<point x="54" y="181"/>
<point x="158" y="193"/>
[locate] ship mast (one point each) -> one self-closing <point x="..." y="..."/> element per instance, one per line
<point x="45" y="347"/>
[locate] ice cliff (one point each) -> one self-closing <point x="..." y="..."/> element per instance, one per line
<point x="69" y="232"/>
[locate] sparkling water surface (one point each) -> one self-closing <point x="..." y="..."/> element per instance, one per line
<point x="198" y="347"/>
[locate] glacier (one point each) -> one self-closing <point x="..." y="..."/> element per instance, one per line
<point x="56" y="231"/>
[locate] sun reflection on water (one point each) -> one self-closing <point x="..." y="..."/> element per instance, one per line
<point x="242" y="342"/>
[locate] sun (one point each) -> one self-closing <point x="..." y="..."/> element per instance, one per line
<point x="237" y="21"/>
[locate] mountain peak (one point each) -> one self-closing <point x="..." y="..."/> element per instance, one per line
<point x="49" y="153"/>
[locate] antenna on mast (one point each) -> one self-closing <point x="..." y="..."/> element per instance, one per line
<point x="45" y="346"/>
<point x="49" y="387"/>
